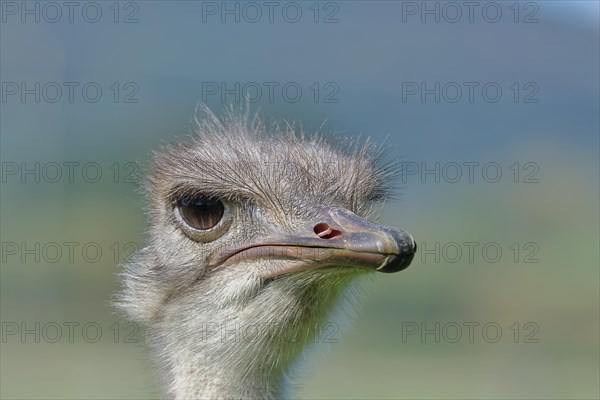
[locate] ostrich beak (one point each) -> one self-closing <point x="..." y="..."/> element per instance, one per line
<point x="336" y="238"/>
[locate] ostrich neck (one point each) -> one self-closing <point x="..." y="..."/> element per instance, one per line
<point x="197" y="377"/>
<point x="243" y="349"/>
<point x="225" y="360"/>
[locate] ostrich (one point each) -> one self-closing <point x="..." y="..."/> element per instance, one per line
<point x="255" y="234"/>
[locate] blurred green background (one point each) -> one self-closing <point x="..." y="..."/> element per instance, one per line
<point x="542" y="291"/>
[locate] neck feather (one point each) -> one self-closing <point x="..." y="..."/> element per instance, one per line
<point x="241" y="347"/>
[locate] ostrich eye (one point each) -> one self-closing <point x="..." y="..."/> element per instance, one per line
<point x="201" y="213"/>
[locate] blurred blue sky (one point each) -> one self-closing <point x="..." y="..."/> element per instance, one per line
<point x="368" y="54"/>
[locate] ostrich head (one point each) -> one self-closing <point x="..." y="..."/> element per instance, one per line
<point x="253" y="238"/>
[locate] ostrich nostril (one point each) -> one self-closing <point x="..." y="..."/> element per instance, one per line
<point x="324" y="231"/>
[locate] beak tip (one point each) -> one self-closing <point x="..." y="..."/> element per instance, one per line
<point x="396" y="263"/>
